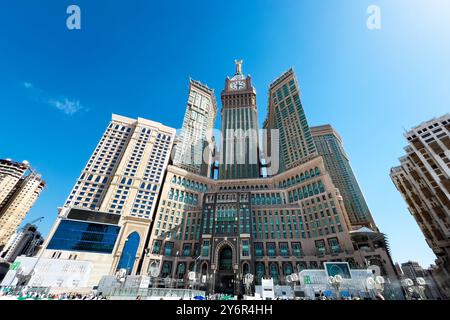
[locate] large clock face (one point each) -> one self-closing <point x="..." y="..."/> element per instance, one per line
<point x="237" y="85"/>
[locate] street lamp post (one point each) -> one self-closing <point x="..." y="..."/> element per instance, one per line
<point x="336" y="282"/>
<point x="407" y="285"/>
<point x="421" y="283"/>
<point x="18" y="274"/>
<point x="248" y="280"/>
<point x="176" y="268"/>
<point x="376" y="284"/>
<point x="128" y="262"/>
<point x="195" y="269"/>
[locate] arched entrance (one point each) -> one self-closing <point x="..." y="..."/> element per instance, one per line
<point x="128" y="256"/>
<point x="225" y="274"/>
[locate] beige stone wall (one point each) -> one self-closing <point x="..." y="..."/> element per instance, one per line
<point x="13" y="213"/>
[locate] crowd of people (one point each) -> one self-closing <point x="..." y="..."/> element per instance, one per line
<point x="23" y="295"/>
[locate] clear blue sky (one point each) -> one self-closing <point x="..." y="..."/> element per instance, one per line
<point x="58" y="88"/>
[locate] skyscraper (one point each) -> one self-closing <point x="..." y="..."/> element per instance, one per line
<point x="106" y="217"/>
<point x="194" y="150"/>
<point x="423" y="179"/>
<point x="285" y="113"/>
<point x="20" y="187"/>
<point x="329" y="145"/>
<point x="131" y="210"/>
<point x="10" y="174"/>
<point x="24" y="241"/>
<point x="267" y="226"/>
<point x="240" y="148"/>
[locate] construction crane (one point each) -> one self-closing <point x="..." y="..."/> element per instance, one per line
<point x="37" y="220"/>
<point x="32" y="222"/>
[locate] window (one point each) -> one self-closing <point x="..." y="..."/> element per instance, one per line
<point x="259" y="250"/>
<point x="181" y="270"/>
<point x="296" y="249"/>
<point x="156" y="247"/>
<point x="166" y="268"/>
<point x="127" y="258"/>
<point x="284" y="249"/>
<point x="271" y="251"/>
<point x="320" y="247"/>
<point x="245" y="248"/>
<point x="187" y="250"/>
<point x="260" y="271"/>
<point x="83" y="236"/>
<point x="334" y="245"/>
<point x="274" y="272"/>
<point x="168" y="247"/>
<point x="205" y="249"/>
<point x="287" y="269"/>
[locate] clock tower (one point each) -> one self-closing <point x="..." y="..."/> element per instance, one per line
<point x="239" y="153"/>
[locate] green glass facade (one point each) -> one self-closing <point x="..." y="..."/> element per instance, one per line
<point x="329" y="146"/>
<point x="286" y="114"/>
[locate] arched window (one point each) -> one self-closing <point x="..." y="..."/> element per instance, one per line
<point x="181" y="270"/>
<point x="204" y="268"/>
<point x="153" y="269"/>
<point x="245" y="268"/>
<point x="317" y="171"/>
<point x="165" y="272"/>
<point x="226" y="259"/>
<point x="287" y="269"/>
<point x="129" y="250"/>
<point x="301" y="266"/>
<point x="352" y="263"/>
<point x="274" y="273"/>
<point x="260" y="272"/>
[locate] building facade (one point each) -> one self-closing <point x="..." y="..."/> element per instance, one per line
<point x="20" y="187"/>
<point x="330" y="146"/>
<point x="286" y="114"/>
<point x="25" y="241"/>
<point x="423" y="179"/>
<point x="270" y="227"/>
<point x="194" y="150"/>
<point x="107" y="216"/>
<point x="239" y="152"/>
<point x="131" y="209"/>
<point x="412" y="270"/>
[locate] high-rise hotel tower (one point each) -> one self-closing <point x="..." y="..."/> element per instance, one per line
<point x="107" y="216"/>
<point x="285" y="113"/>
<point x="243" y="223"/>
<point x="239" y="149"/>
<point x="20" y="187"/>
<point x="330" y="146"/>
<point x="423" y="179"/>
<point x="195" y="148"/>
<point x="121" y="215"/>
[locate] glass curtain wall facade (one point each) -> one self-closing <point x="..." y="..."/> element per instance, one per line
<point x="330" y="147"/>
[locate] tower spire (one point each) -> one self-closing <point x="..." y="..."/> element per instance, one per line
<point x="238" y="66"/>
